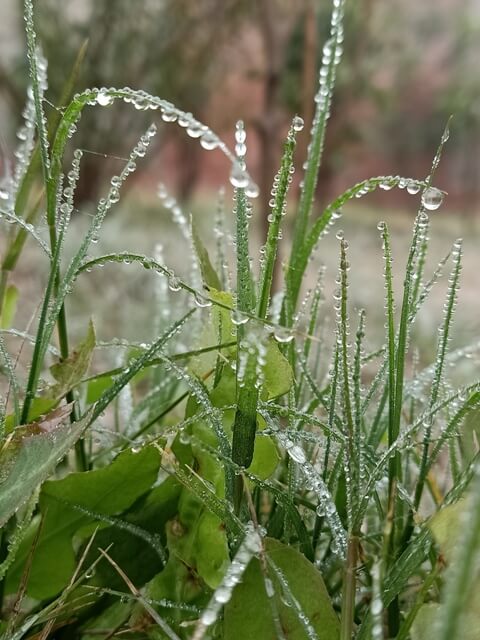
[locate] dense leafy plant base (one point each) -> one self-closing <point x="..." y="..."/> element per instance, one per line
<point x="224" y="481"/>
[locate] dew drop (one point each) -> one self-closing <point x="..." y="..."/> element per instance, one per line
<point x="201" y="301"/>
<point x="223" y="594"/>
<point x="269" y="588"/>
<point x="184" y="119"/>
<point x="298" y="123"/>
<point x="194" y="130"/>
<point x="282" y="335"/>
<point x="174" y="284"/>
<point x="239" y="318"/>
<point x="240" y="133"/>
<point x="169" y="115"/>
<point x="184" y="437"/>
<point x="432" y="198"/>
<point x="114" y="196"/>
<point x="252" y="190"/>
<point x="240" y="149"/>
<point x="208" y="617"/>
<point x="297" y="454"/>
<point x="103" y="99"/>
<point x="239" y="177"/>
<point x="413" y="187"/>
<point x="376" y="607"/>
<point x="209" y="141"/>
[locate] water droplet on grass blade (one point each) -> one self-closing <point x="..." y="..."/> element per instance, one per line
<point x="240" y="149"/>
<point x="297" y="454"/>
<point x="223" y="595"/>
<point x="103" y="99"/>
<point x="174" y="284"/>
<point x="252" y="190"/>
<point x="413" y="187"/>
<point x="239" y="318"/>
<point x="240" y="133"/>
<point x="283" y="335"/>
<point x="269" y="588"/>
<point x="298" y="123"/>
<point x="239" y="177"/>
<point x="169" y="115"/>
<point x="201" y="301"/>
<point x="194" y="130"/>
<point x="209" y="141"/>
<point x="432" y="198"/>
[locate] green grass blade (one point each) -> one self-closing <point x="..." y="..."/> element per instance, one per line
<point x="332" y="52"/>
<point x="279" y="201"/>
<point x="444" y="334"/>
<point x="136" y="366"/>
<point x="299" y="259"/>
<point x="464" y="566"/>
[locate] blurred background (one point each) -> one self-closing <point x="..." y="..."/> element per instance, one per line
<point x="407" y="66"/>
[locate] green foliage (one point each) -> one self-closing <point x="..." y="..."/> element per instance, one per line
<point x="73" y="502"/>
<point x="306" y="595"/>
<point x="69" y="372"/>
<point x="29" y="455"/>
<point x="9" y="307"/>
<point x="260" y="480"/>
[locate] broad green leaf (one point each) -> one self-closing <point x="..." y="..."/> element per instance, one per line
<point x="71" y="503"/>
<point x="211" y="549"/>
<point x="70" y="371"/>
<point x="29" y="455"/>
<point x="446" y="527"/>
<point x="426" y="626"/>
<point x="423" y="627"/>
<point x="218" y="330"/>
<point x="209" y="274"/>
<point x="222" y="318"/>
<point x="247" y="615"/>
<point x="112" y="617"/>
<point x="277" y="371"/>
<point x="265" y="457"/>
<point x="9" y="307"/>
<point x="176" y="582"/>
<point x="39" y="408"/>
<point x="265" y="454"/>
<point x="139" y="560"/>
<point x="96" y="388"/>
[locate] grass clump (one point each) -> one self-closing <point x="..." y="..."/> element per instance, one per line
<point x="226" y="481"/>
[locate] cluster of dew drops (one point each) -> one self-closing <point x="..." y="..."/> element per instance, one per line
<point x="431" y="198"/>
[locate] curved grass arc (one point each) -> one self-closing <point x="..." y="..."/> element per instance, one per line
<point x="89" y="98"/>
<point x="127" y="257"/>
<point x="299" y="260"/>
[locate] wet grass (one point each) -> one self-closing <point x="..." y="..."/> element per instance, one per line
<point x="223" y="453"/>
